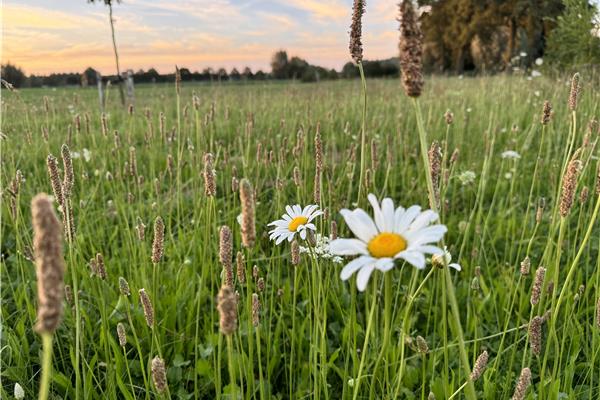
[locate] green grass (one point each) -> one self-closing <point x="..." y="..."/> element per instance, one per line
<point x="311" y="336"/>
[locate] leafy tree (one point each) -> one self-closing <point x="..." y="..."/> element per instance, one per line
<point x="279" y="65"/>
<point x="247" y="74"/>
<point x="235" y="75"/>
<point x="13" y="74"/>
<point x="575" y="40"/>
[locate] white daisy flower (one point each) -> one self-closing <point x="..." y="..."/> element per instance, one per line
<point x="396" y="233"/>
<point x="440" y="260"/>
<point x="295" y="220"/>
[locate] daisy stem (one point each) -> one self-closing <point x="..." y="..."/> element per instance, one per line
<point x="470" y="389"/>
<point x="366" y="342"/>
<point x="363" y="132"/>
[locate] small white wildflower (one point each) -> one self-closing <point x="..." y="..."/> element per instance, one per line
<point x="511" y="155"/>
<point x="467" y="177"/>
<point x="539" y="61"/>
<point x="87" y="155"/>
<point x="537" y="93"/>
<point x="75" y="155"/>
<point x="508" y="175"/>
<point x="523" y="54"/>
<point x="535" y="73"/>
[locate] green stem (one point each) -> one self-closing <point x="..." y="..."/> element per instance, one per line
<point x="46" y="365"/>
<point x="470" y="391"/>
<point x="363" y="132"/>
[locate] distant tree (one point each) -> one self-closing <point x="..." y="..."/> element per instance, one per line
<point x="279" y="65"/>
<point x="235" y="75"/>
<point x="13" y="74"/>
<point x="90" y="76"/>
<point x="260" y="75"/>
<point x="297" y="68"/>
<point x="247" y="74"/>
<point x="349" y="70"/>
<point x="222" y="74"/>
<point x="575" y="40"/>
<point x="185" y="74"/>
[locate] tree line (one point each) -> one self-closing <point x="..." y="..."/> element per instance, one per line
<point x="459" y="36"/>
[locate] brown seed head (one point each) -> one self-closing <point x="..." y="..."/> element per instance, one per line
<point x="240" y="267"/>
<point x="333" y="230"/>
<point x="210" y="188"/>
<point x="569" y="185"/>
<point x="522" y="384"/>
<point x="68" y="167"/>
<point x="448" y="117"/>
<point x="538" y="282"/>
<point x="124" y="287"/>
<point x="525" y="266"/>
<point x="435" y="167"/>
<point x="574" y="93"/>
<point x="546" y="112"/>
<point x="159" y="375"/>
<point x="356" y="51"/>
<point x="55" y="179"/>
<point x="121" y="334"/>
<point x="227" y="306"/>
<point x="49" y="263"/>
<point x="255" y="310"/>
<point x="411" y="50"/>
<point x="479" y="366"/>
<point x="248" y="213"/>
<point x="100" y="267"/>
<point x="147" y="307"/>
<point x="226" y="253"/>
<point x="295" y="253"/>
<point x="132" y="162"/>
<point x="422" y="345"/>
<point x="158" y="244"/>
<point x="535" y="335"/>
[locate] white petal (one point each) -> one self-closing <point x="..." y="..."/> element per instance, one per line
<point x="384" y="264"/>
<point x="360" y="224"/>
<point x="280" y="239"/>
<point x="363" y="277"/>
<point x="354" y="266"/>
<point x="347" y="247"/>
<point x="290" y="211"/>
<point x="414" y="258"/>
<point x="431" y="234"/>
<point x="455" y="266"/>
<point x="427" y="249"/>
<point x="407" y="218"/>
<point x="309" y="209"/>
<point x="314" y="215"/>
<point x="303" y="234"/>
<point x="424" y="219"/>
<point x="310" y="226"/>
<point x="286" y="218"/>
<point x="387" y="209"/>
<point x="297" y="209"/>
<point x="379" y="220"/>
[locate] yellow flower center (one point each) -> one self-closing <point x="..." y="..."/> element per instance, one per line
<point x="297" y="222"/>
<point x="386" y="245"/>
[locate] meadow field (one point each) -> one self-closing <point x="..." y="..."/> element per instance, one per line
<point x="227" y="313"/>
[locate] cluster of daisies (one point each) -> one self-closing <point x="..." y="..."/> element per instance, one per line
<point x="395" y="233"/>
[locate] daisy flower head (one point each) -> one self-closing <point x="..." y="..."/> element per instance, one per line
<point x="295" y="220"/>
<point x="396" y="233"/>
<point x="441" y="260"/>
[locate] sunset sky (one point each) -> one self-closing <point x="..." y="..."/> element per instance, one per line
<point x="70" y="35"/>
